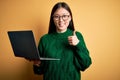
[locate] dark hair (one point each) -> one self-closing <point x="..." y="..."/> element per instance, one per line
<point x="52" y="27"/>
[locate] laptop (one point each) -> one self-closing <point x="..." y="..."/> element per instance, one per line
<point x="23" y="45"/>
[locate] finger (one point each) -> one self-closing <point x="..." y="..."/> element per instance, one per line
<point x="37" y="61"/>
<point x="70" y="37"/>
<point x="70" y="40"/>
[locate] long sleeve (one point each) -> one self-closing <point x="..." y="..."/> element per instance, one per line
<point x="38" y="69"/>
<point x="82" y="59"/>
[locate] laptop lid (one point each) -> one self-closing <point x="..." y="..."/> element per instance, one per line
<point x="23" y="45"/>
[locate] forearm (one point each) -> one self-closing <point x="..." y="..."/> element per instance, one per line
<point x="82" y="59"/>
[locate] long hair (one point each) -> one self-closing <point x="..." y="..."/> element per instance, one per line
<point x="52" y="27"/>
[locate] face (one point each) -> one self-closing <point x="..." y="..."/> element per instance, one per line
<point x="61" y="19"/>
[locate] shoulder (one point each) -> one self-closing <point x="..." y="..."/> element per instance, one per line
<point x="79" y="34"/>
<point x="46" y="37"/>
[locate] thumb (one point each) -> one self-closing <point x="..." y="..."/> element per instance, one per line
<point x="74" y="33"/>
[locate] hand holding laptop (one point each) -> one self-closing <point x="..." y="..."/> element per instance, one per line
<point x="36" y="62"/>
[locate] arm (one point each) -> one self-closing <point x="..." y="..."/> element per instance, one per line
<point x="82" y="59"/>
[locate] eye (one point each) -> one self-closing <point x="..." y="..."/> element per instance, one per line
<point x="56" y="16"/>
<point x="65" y="16"/>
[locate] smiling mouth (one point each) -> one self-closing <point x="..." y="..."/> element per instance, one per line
<point x="61" y="24"/>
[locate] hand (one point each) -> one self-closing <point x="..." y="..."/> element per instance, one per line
<point x="35" y="61"/>
<point x="73" y="40"/>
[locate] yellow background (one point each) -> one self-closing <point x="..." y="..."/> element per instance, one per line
<point x="97" y="20"/>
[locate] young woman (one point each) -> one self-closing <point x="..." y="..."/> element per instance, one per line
<point x="64" y="43"/>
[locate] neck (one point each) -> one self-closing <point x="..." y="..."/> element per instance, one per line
<point x="61" y="31"/>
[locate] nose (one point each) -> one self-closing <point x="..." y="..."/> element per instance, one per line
<point x="60" y="18"/>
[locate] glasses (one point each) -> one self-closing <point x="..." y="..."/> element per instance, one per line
<point x="64" y="17"/>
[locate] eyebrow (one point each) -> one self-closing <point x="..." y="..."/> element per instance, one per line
<point x="63" y="14"/>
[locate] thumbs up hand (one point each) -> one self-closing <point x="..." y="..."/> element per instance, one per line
<point x="73" y="40"/>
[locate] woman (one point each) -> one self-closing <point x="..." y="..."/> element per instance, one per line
<point x="64" y="43"/>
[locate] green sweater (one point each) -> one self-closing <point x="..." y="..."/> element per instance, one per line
<point x="73" y="59"/>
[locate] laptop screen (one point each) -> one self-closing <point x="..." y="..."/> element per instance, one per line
<point x="23" y="44"/>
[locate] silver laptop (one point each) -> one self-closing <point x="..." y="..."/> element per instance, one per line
<point x="23" y="45"/>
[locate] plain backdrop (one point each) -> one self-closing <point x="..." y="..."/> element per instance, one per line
<point x="97" y="20"/>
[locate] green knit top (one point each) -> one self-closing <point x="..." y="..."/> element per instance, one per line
<point x="73" y="59"/>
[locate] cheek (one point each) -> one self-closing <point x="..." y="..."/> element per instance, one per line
<point x="67" y="23"/>
<point x="55" y="23"/>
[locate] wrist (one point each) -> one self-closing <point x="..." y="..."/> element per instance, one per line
<point x="36" y="65"/>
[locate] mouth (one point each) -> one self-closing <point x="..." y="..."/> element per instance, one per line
<point x="61" y="24"/>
